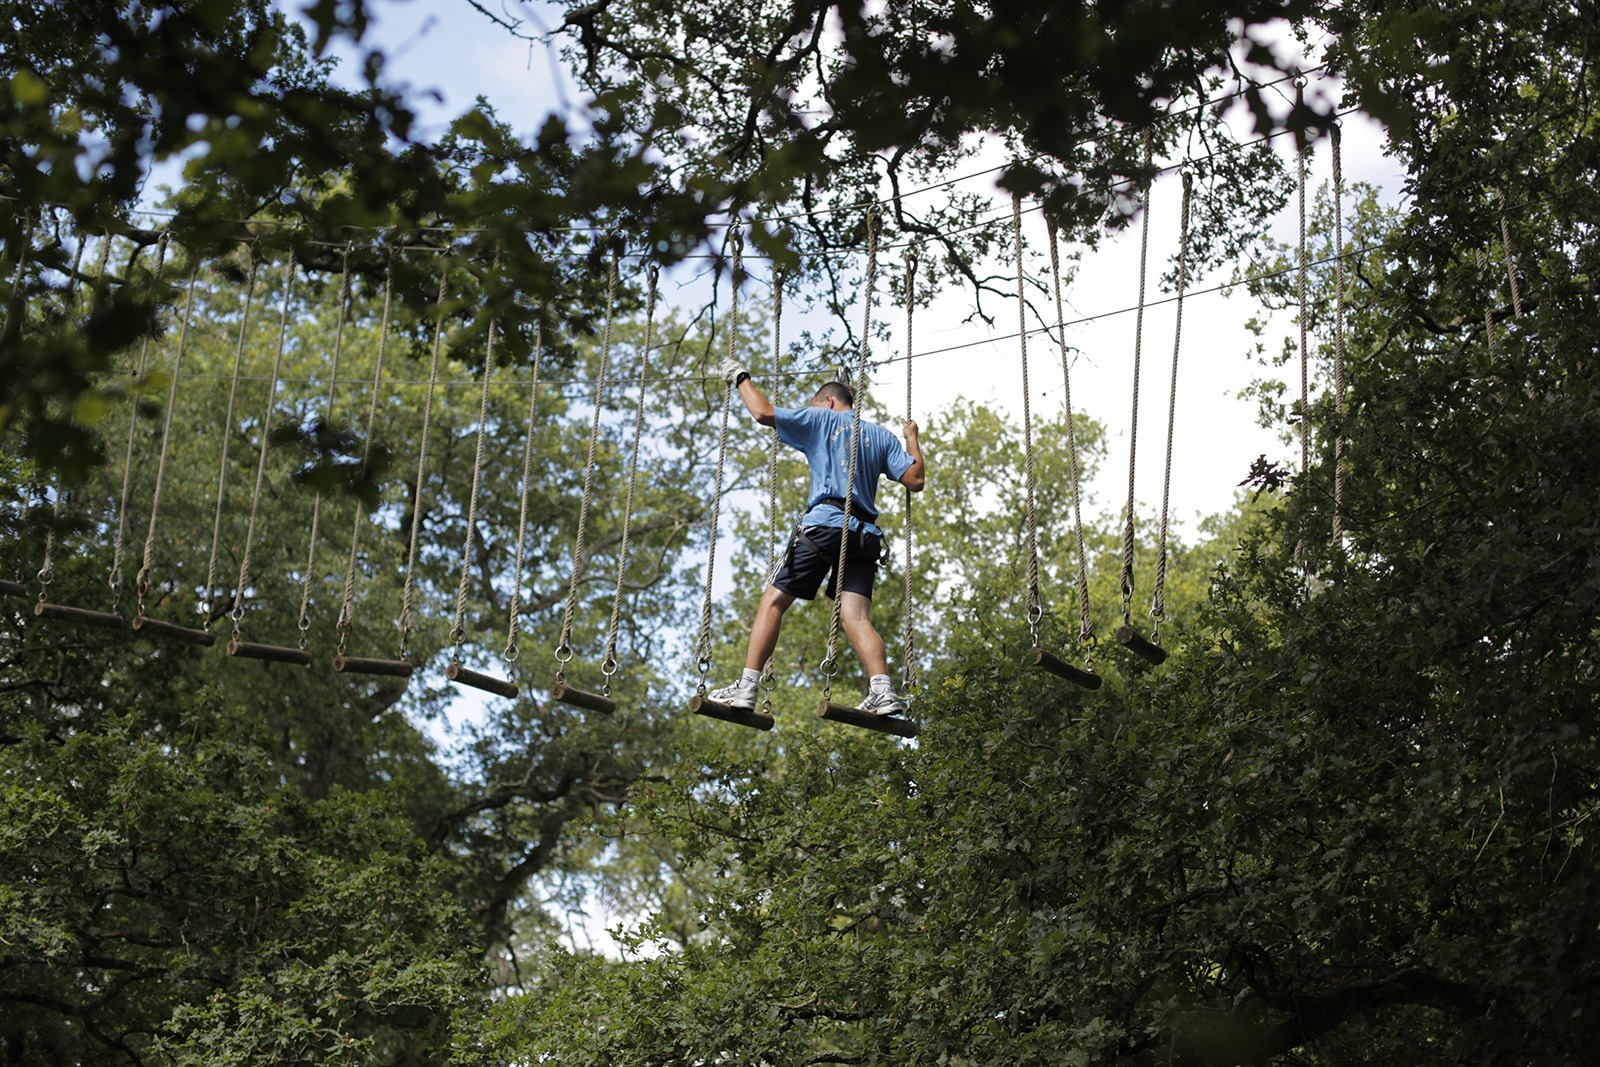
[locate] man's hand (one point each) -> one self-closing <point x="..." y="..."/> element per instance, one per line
<point x="733" y="370"/>
<point x="908" y="429"/>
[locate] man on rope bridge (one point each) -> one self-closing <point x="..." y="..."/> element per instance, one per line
<point x="823" y="432"/>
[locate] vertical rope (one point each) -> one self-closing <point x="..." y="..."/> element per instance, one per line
<point x="515" y="611"/>
<point x="908" y="666"/>
<point x="114" y="579"/>
<point x="703" y="649"/>
<point x="17" y="296"/>
<point x="458" y="630"/>
<point x="1133" y="420"/>
<point x="1301" y="272"/>
<point x="261" y="454"/>
<point x="407" y="624"/>
<point x="772" y="434"/>
<point x="608" y="665"/>
<point x="1338" y="334"/>
<point x="316" y="500"/>
<point x="1034" y="604"/>
<point x="347" y="597"/>
<point x="227" y="435"/>
<point x="1085" y="624"/>
<point x="1511" y="263"/>
<point x="830" y="660"/>
<point x="1158" y="602"/>
<point x="564" y="647"/>
<point x="1488" y="310"/>
<point x="142" y="581"/>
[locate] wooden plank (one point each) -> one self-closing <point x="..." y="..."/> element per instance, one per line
<point x="269" y="653"/>
<point x="1061" y="669"/>
<point x="711" y="709"/>
<point x="393" y="668"/>
<point x="109" y="619"/>
<point x="10" y="588"/>
<point x="156" y="628"/>
<point x="1134" y="642"/>
<point x="488" y="683"/>
<point x="578" y="698"/>
<point x="883" y="724"/>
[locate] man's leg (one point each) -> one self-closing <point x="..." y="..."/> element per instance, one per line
<point x="766" y="626"/>
<point x="855" y="615"/>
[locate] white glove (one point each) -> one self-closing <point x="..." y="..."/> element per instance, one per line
<point x="732" y="369"/>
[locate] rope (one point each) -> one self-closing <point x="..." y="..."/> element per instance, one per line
<point x="237" y="615"/>
<point x="830" y="665"/>
<point x="908" y="676"/>
<point x="1133" y="421"/>
<point x="1085" y="624"/>
<point x="114" y="579"/>
<point x="1511" y="263"/>
<point x="24" y="247"/>
<point x="608" y="666"/>
<point x="1035" y="606"/>
<point x="406" y="624"/>
<point x="564" y="647"/>
<point x="515" y="613"/>
<point x="347" y="598"/>
<point x="1158" y="602"/>
<point x="47" y="571"/>
<point x="1338" y="334"/>
<point x="1303" y="319"/>
<point x="703" y="649"/>
<point x="142" y="581"/>
<point x="772" y="435"/>
<point x="316" y="500"/>
<point x="1488" y="311"/>
<point x="227" y="432"/>
<point x="458" y="631"/>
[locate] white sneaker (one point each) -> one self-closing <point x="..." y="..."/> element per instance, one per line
<point x="886" y="702"/>
<point x="735" y="696"/>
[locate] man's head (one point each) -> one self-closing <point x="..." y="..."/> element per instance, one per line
<point x="835" y="395"/>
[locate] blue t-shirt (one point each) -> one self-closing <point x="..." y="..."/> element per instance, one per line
<point x="823" y="435"/>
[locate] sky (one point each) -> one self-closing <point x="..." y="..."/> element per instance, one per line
<point x="449" y="55"/>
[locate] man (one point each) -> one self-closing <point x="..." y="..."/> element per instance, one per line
<point x="823" y="432"/>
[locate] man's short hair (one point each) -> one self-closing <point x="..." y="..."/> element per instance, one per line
<point x="840" y="392"/>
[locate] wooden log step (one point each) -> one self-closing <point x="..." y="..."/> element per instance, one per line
<point x="1061" y="669"/>
<point x="10" y="588"/>
<point x="269" y="653"/>
<point x="488" y="683"/>
<point x="711" y="709"/>
<point x="109" y="619"/>
<point x="156" y="628"/>
<point x="392" y="668"/>
<point x="1134" y="642"/>
<point x="883" y="724"/>
<point x="578" y="698"/>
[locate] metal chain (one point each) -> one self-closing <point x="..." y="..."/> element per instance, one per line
<point x="114" y="579"/>
<point x="142" y="581"/>
<point x="237" y="615"/>
<point x="227" y="436"/>
<point x="514" y="614"/>
<point x="1158" y="600"/>
<point x="1338" y="333"/>
<point x="608" y="666"/>
<point x="458" y="630"/>
<point x="830" y="662"/>
<point x="1133" y="419"/>
<point x="347" y="597"/>
<point x="1511" y="263"/>
<point x="316" y="499"/>
<point x="1034" y="604"/>
<point x="406" y="624"/>
<point x="1085" y="624"/>
<point x="564" y="646"/>
<point x="909" y="680"/>
<point x="703" y="649"/>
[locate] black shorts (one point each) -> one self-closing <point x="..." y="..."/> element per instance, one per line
<point x="814" y="554"/>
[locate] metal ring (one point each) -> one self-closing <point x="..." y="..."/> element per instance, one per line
<point x="704" y="664"/>
<point x="608" y="666"/>
<point x="511" y="653"/>
<point x="563" y="653"/>
<point x="305" y="623"/>
<point x="46" y="575"/>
